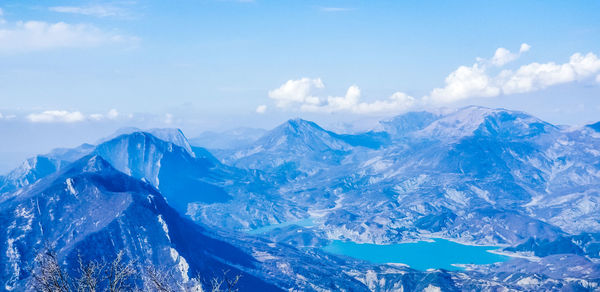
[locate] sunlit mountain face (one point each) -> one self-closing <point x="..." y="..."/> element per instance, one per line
<point x="477" y="199"/>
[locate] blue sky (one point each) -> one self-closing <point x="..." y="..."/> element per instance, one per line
<point x="93" y="66"/>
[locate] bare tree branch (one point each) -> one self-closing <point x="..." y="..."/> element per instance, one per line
<point x="159" y="280"/>
<point x="89" y="272"/>
<point x="229" y="283"/>
<point x="117" y="276"/>
<point x="119" y="273"/>
<point x="49" y="276"/>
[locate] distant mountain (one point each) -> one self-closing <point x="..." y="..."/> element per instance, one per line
<point x="171" y="135"/>
<point x="181" y="177"/>
<point x="477" y="175"/>
<point x="28" y="172"/>
<point x="40" y="166"/>
<point x="595" y="126"/>
<point x="409" y="122"/>
<point x="477" y="163"/>
<point x="476" y="120"/>
<point x="295" y="147"/>
<point x="91" y="210"/>
<point x="71" y="154"/>
<point x="482" y="175"/>
<point x="227" y="139"/>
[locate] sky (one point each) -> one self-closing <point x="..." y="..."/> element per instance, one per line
<point x="75" y="71"/>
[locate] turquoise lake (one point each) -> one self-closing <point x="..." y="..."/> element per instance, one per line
<point x="422" y="255"/>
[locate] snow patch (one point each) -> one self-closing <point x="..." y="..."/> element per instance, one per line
<point x="70" y="187"/>
<point x="432" y="288"/>
<point x="485" y="195"/>
<point x="528" y="281"/>
<point x="164" y="226"/>
<point x="457" y="196"/>
<point x="182" y="265"/>
<point x="263" y="256"/>
<point x="377" y="164"/>
<point x="411" y="184"/>
<point x="242" y="154"/>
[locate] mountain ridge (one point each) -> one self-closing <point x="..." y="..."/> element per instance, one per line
<point x="476" y="175"/>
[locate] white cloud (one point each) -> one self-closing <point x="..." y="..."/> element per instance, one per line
<point x="397" y="102"/>
<point x="96" y="117"/>
<point x="56" y="116"/>
<point x="296" y="91"/>
<point x="503" y="56"/>
<point x="485" y="78"/>
<point x="536" y="76"/>
<point x="95" y="10"/>
<point x="477" y="81"/>
<point x="112" y="114"/>
<point x="39" y="35"/>
<point x="261" y="109"/>
<point x="300" y="93"/>
<point x="463" y="83"/>
<point x="63" y="116"/>
<point x="524" y="48"/>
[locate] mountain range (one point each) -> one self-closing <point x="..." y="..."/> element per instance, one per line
<point x="475" y="175"/>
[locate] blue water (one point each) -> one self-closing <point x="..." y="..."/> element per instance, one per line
<point x="307" y="222"/>
<point x="422" y="255"/>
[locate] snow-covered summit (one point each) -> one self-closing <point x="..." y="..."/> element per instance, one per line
<point x="476" y="119"/>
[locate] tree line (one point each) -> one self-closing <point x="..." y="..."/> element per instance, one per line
<point x="118" y="275"/>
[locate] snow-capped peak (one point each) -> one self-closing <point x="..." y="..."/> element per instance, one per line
<point x="467" y="120"/>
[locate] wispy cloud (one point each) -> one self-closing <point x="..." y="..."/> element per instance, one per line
<point x="27" y="36"/>
<point x="56" y="116"/>
<point x="7" y="117"/>
<point x="335" y="9"/>
<point x="93" y="10"/>
<point x="261" y="109"/>
<point x="503" y="56"/>
<point x="64" y="116"/>
<point x="38" y="35"/>
<point x="239" y="1"/>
